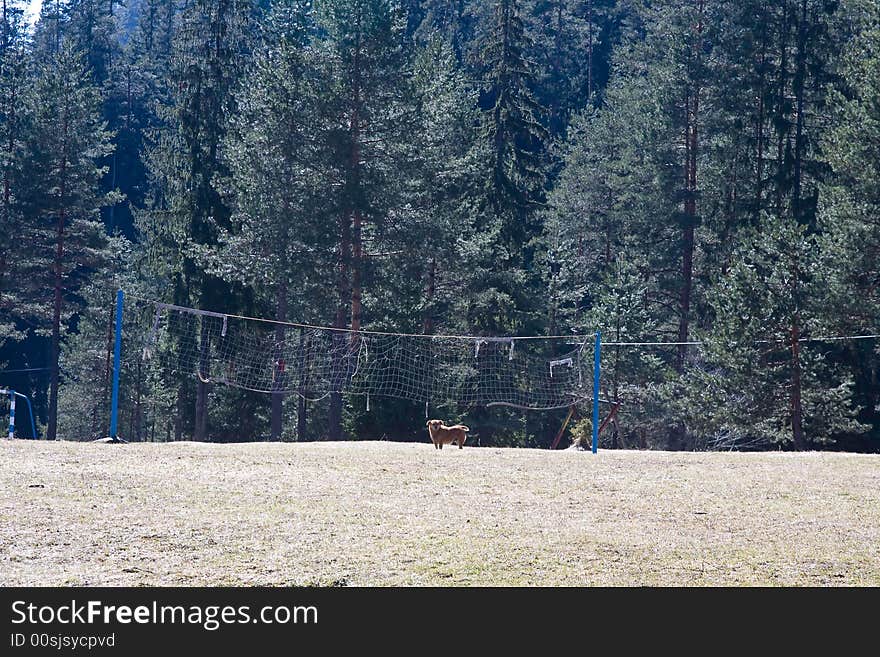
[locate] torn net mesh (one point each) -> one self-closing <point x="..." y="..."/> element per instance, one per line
<point x="263" y="356"/>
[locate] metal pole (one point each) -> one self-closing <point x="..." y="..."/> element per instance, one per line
<point x="117" y="353"/>
<point x="596" y="366"/>
<point x="11" y="414"/>
<point x="30" y="411"/>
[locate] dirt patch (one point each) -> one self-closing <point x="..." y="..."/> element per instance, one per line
<point x="379" y="513"/>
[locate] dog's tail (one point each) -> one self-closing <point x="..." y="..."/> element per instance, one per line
<point x="463" y="428"/>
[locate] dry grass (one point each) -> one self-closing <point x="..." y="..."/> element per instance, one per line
<point x="406" y="514"/>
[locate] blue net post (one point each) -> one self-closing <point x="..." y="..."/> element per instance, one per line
<point x="117" y="357"/>
<point x="11" y="414"/>
<point x="596" y="368"/>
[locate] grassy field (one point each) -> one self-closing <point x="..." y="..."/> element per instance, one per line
<point x="379" y="513"/>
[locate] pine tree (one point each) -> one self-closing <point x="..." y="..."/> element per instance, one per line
<point x="138" y="90"/>
<point x="505" y="298"/>
<point x="849" y="216"/>
<point x="594" y="211"/>
<point x="65" y="141"/>
<point x="369" y="103"/>
<point x="632" y="377"/>
<point x="569" y="54"/>
<point x="50" y="28"/>
<point x="277" y="160"/>
<point x="91" y="29"/>
<point x="610" y="260"/>
<point x="86" y="356"/>
<point x="421" y="266"/>
<point x="615" y="221"/>
<point x="445" y="192"/>
<point x="13" y="74"/>
<point x="188" y="210"/>
<point x="761" y="384"/>
<point x="451" y="20"/>
<point x="151" y="41"/>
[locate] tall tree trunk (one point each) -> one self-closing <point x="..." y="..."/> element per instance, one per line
<point x="2" y="271"/>
<point x="797" y="430"/>
<point x="430" y="288"/>
<point x="168" y="34"/>
<point x="350" y="252"/>
<point x="138" y="411"/>
<point x="759" y="128"/>
<point x="677" y="434"/>
<point x="688" y="238"/>
<point x="280" y="367"/>
<point x="799" y="87"/>
<point x="105" y="402"/>
<point x="178" y="329"/>
<point x="55" y="354"/>
<point x="303" y="367"/>
<point x="557" y="39"/>
<point x="557" y="62"/>
<point x="178" y="415"/>
<point x="615" y="381"/>
<point x="200" y="432"/>
<point x="10" y="149"/>
<point x="692" y="115"/>
<point x="590" y="50"/>
<point x="55" y="357"/>
<point x="150" y="26"/>
<point x="57" y="35"/>
<point x="357" y="257"/>
<point x="339" y="338"/>
<point x="354" y="184"/>
<point x="781" y="119"/>
<point x="113" y="186"/>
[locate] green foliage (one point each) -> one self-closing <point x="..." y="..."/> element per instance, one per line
<point x="849" y="215"/>
<point x="84" y="398"/>
<point x="659" y="171"/>
<point x="506" y="288"/>
<point x="742" y="388"/>
<point x="14" y="71"/>
<point x="61" y="194"/>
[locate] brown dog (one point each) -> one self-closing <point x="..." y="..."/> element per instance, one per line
<point x="443" y="435"/>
